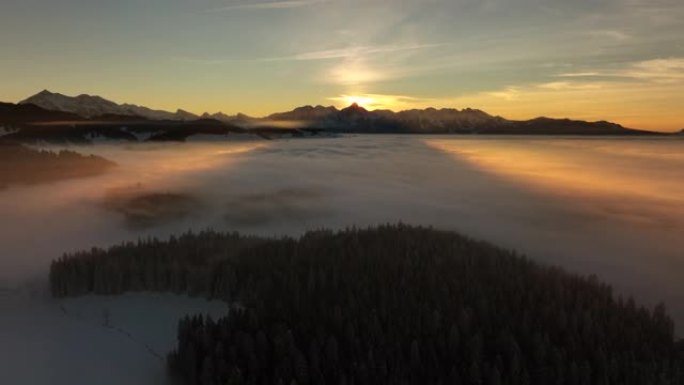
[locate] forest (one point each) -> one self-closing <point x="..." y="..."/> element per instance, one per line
<point x="20" y="164"/>
<point x="393" y="304"/>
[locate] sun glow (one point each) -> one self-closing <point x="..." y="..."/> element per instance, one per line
<point x="364" y="101"/>
<point x="378" y="101"/>
<point x="553" y="168"/>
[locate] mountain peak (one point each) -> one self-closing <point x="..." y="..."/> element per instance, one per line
<point x="44" y="93"/>
<point x="91" y="106"/>
<point x="354" y="108"/>
<point x="305" y="113"/>
<point x="185" y="115"/>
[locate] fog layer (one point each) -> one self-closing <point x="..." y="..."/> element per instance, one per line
<point x="608" y="206"/>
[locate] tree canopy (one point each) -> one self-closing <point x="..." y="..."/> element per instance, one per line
<point x="393" y="304"/>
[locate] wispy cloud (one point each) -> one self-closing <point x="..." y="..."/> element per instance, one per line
<point x="611" y="34"/>
<point x="670" y="70"/>
<point x="362" y="66"/>
<point x="514" y="93"/>
<point x="348" y="66"/>
<point x="355" y="72"/>
<point x="353" y="52"/>
<point x="641" y="93"/>
<point x="207" y="61"/>
<point x="569" y="86"/>
<point x="285" y="4"/>
<point x="579" y="74"/>
<point x="508" y="93"/>
<point x="658" y="70"/>
<point x="349" y="52"/>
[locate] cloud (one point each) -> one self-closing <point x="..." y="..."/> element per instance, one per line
<point x="658" y="70"/>
<point x="610" y="34"/>
<point x="569" y="86"/>
<point x="287" y="4"/>
<point x="508" y="93"/>
<point x="348" y="66"/>
<point x="579" y="74"/>
<point x="651" y="105"/>
<point x="670" y="70"/>
<point x="351" y="53"/>
<point x="194" y="60"/>
<point x="360" y="66"/>
<point x="513" y="93"/>
<point x="355" y="72"/>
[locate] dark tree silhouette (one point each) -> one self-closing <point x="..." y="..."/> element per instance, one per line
<point x="387" y="305"/>
<point x="20" y="164"/>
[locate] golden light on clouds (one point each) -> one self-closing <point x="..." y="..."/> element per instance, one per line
<point x="170" y="164"/>
<point x="652" y="106"/>
<point x="352" y="72"/>
<point x="552" y="166"/>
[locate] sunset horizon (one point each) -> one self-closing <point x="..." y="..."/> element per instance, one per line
<point x="617" y="60"/>
<point x="342" y="192"/>
<point x="374" y="102"/>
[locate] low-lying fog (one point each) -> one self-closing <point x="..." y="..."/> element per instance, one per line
<point x="609" y="206"/>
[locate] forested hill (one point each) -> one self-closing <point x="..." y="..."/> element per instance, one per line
<point x="25" y="165"/>
<point x="387" y="305"/>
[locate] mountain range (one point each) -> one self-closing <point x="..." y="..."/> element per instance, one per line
<point x="88" y="106"/>
<point x="88" y="115"/>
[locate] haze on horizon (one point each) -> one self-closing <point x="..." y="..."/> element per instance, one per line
<point x="617" y="60"/>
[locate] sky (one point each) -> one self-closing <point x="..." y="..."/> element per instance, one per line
<point x="617" y="60"/>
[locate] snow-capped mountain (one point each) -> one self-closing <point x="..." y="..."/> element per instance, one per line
<point x="357" y="118"/>
<point x="83" y="105"/>
<point x="92" y="106"/>
<point x="49" y="106"/>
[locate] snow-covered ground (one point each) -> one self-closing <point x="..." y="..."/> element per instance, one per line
<point x="91" y="340"/>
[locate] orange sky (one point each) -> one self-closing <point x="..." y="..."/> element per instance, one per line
<point x="616" y="60"/>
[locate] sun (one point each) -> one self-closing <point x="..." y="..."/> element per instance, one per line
<point x="373" y="101"/>
<point x="364" y="101"/>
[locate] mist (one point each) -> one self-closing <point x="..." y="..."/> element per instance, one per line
<point x="610" y="207"/>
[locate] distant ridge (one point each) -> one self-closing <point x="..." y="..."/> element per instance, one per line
<point x="356" y="119"/>
<point x="16" y="114"/>
<point x="92" y="106"/>
<point x="352" y="119"/>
